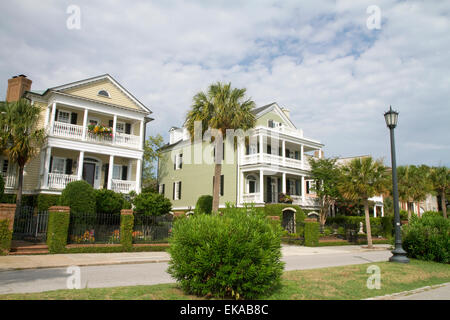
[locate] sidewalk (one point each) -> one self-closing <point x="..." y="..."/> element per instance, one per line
<point x="19" y="262"/>
<point x="437" y="292"/>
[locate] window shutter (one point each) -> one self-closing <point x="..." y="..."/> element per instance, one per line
<point x="179" y="190"/>
<point x="280" y="151"/>
<point x="175" y="163"/>
<point x="268" y="189"/>
<point x="173" y="193"/>
<point x="128" y="128"/>
<point x="279" y="184"/>
<point x="270" y="123"/>
<point x="73" y="118"/>
<point x="105" y="182"/>
<point x="69" y="166"/>
<point x="247" y="149"/>
<point x="297" y="187"/>
<point x="213" y="185"/>
<point x="124" y="172"/>
<point x="221" y="184"/>
<point x="164" y="189"/>
<point x="269" y="149"/>
<point x="307" y="187"/>
<point x="288" y="185"/>
<point x="51" y="163"/>
<point x="181" y="160"/>
<point x="297" y="155"/>
<point x="111" y="123"/>
<point x="56" y="115"/>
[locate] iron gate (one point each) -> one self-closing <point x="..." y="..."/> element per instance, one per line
<point x="30" y="225"/>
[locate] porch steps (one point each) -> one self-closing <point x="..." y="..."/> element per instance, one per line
<point x="21" y="248"/>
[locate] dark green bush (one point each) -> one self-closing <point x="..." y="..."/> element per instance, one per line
<point x="57" y="231"/>
<point x="152" y="204"/>
<point x="404" y="215"/>
<point x="235" y="255"/>
<point x="5" y="236"/>
<point x="79" y="196"/>
<point x="427" y="238"/>
<point x="276" y="209"/>
<point x="2" y="187"/>
<point x="387" y="224"/>
<point x="126" y="231"/>
<point x="9" y="198"/>
<point x="204" y="204"/>
<point x="29" y="200"/>
<point x="311" y="234"/>
<point x="45" y="201"/>
<point x="108" y="201"/>
<point x="433" y="213"/>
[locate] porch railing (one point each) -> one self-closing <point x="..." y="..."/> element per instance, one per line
<point x="127" y="139"/>
<point x="123" y="186"/>
<point x="67" y="130"/>
<point x="273" y="160"/>
<point x="10" y="180"/>
<point x="251" y="198"/>
<point x="59" y="180"/>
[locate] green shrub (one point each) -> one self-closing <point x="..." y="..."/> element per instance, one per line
<point x="126" y="231"/>
<point x="432" y="213"/>
<point x="341" y="231"/>
<point x="428" y="238"/>
<point x="9" y="198"/>
<point x="108" y="201"/>
<point x="79" y="196"/>
<point x="204" y="204"/>
<point x="235" y="255"/>
<point x="387" y="224"/>
<point x="276" y="209"/>
<point x="29" y="200"/>
<point x="152" y="204"/>
<point x="5" y="236"/>
<point x="404" y="215"/>
<point x="311" y="234"/>
<point x="45" y="201"/>
<point x="57" y="231"/>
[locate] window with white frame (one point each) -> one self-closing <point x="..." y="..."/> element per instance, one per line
<point x="117" y="172"/>
<point x="252" y="186"/>
<point x="273" y="124"/>
<point x="104" y="93"/>
<point x="177" y="190"/>
<point x="178" y="161"/>
<point x="58" y="165"/>
<point x="120" y="127"/>
<point x="161" y="189"/>
<point x="310" y="185"/>
<point x="292" y="185"/>
<point x="63" y="116"/>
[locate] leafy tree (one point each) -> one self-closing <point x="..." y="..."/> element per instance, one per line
<point x="362" y="179"/>
<point x="108" y="201"/>
<point x="151" y="157"/>
<point x="326" y="175"/>
<point x="420" y="184"/>
<point x="220" y="108"/>
<point x="20" y="138"/>
<point x="404" y="186"/>
<point x="152" y="204"/>
<point x="440" y="178"/>
<point x="80" y="197"/>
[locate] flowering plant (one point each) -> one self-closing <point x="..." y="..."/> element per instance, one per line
<point x="100" y="130"/>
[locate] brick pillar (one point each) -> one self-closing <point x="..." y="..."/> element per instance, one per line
<point x="126" y="228"/>
<point x="58" y="228"/>
<point x="7" y="212"/>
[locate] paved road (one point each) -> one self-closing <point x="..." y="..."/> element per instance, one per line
<point x="296" y="258"/>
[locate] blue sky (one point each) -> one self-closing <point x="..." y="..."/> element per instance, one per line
<point x="317" y="58"/>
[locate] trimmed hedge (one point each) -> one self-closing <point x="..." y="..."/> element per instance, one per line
<point x="427" y="238"/>
<point x="204" y="204"/>
<point x="45" y="201"/>
<point x="79" y="196"/>
<point x="276" y="209"/>
<point x="108" y="201"/>
<point x="5" y="237"/>
<point x="57" y="231"/>
<point x="381" y="226"/>
<point x="235" y="255"/>
<point x="115" y="249"/>
<point x="312" y="234"/>
<point x="152" y="204"/>
<point x="126" y="231"/>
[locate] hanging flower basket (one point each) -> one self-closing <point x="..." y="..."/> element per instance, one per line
<point x="100" y="130"/>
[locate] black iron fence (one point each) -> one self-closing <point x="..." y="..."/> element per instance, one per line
<point x="149" y="229"/>
<point x="94" y="228"/>
<point x="30" y="225"/>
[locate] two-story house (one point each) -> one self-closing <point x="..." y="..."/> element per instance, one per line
<point x="274" y="161"/>
<point x="95" y="129"/>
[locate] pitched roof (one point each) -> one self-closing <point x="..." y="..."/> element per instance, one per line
<point x="259" y="109"/>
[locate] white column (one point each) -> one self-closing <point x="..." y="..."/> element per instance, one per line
<point x="303" y="189"/>
<point x="302" y="157"/>
<point x="261" y="186"/>
<point x="52" y="119"/>
<point x="374" y="211"/>
<point x="85" y="119"/>
<point x="80" y="165"/>
<point x="382" y="211"/>
<point x="47" y="166"/>
<point x="283" y="151"/>
<point x="141" y="134"/>
<point x="47" y="116"/>
<point x="114" y="127"/>
<point x="283" y="186"/>
<point x="241" y="187"/>
<point x="261" y="148"/>
<point x="138" y="175"/>
<point x="110" y="171"/>
<point x="130" y="165"/>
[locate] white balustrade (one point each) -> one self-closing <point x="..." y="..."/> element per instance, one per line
<point x="67" y="130"/>
<point x="127" y="139"/>
<point x="10" y="180"/>
<point x="251" y="197"/>
<point x="123" y="186"/>
<point x="60" y="180"/>
<point x="273" y="160"/>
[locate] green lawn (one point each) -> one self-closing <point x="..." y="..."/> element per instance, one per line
<point x="348" y="282"/>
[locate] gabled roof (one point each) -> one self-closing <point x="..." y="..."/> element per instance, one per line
<point x="272" y="106"/>
<point x="105" y="76"/>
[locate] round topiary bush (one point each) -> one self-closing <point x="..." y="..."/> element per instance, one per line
<point x="234" y="255"/>
<point x="79" y="196"/>
<point x="108" y="201"/>
<point x="204" y="204"/>
<point x="152" y="204"/>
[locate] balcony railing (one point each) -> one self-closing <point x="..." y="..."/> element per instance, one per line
<point x="251" y="198"/>
<point x="274" y="160"/>
<point x="10" y="180"/>
<point x="72" y="131"/>
<point x="60" y="180"/>
<point x="297" y="200"/>
<point x="123" y="186"/>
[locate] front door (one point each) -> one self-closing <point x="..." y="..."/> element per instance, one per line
<point x="89" y="173"/>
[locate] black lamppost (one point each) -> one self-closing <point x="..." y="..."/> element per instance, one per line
<point x="398" y="254"/>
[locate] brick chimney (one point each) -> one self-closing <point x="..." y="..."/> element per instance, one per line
<point x="318" y="154"/>
<point x="287" y="112"/>
<point x="17" y="85"/>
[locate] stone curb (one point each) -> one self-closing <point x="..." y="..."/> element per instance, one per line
<point x="410" y="292"/>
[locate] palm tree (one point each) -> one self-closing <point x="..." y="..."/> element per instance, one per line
<point x="220" y="108"/>
<point x="362" y="179"/>
<point x="404" y="186"/>
<point x="440" y="178"/>
<point x="420" y="184"/>
<point x="20" y="138"/>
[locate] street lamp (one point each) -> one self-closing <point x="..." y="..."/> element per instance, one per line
<point x="398" y="254"/>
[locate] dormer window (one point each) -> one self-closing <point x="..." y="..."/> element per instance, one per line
<point x="104" y="93"/>
<point x="274" y="124"/>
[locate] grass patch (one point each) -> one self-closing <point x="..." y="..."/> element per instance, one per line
<point x="347" y="282"/>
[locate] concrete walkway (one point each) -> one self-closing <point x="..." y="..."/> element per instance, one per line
<point x="437" y="292"/>
<point x="20" y="262"/>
